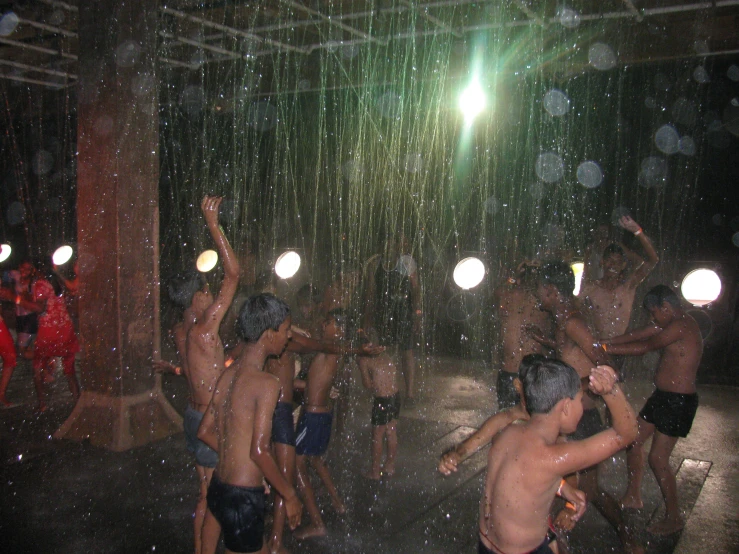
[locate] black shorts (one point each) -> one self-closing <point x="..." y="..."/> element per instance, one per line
<point x="385" y="409"/>
<point x="507" y="393"/>
<point x="240" y="511"/>
<point x="590" y="424"/>
<point x="543" y="548"/>
<point x="671" y="413"/>
<point x="27" y="324"/>
<point x="283" y="431"/>
<point x="313" y="433"/>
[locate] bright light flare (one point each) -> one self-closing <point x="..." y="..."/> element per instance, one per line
<point x="287" y="264"/>
<point x="469" y="273"/>
<point x="62" y="255"/>
<point x="207" y="261"/>
<point x="577" y="269"/>
<point x="5" y="251"/>
<point x="472" y="101"/>
<point x="701" y="287"/>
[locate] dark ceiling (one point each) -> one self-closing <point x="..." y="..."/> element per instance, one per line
<point x="38" y="45"/>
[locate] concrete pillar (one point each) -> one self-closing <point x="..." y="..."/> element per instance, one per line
<point x="118" y="228"/>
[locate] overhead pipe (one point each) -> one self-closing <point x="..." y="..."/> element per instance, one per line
<point x="31" y="81"/>
<point x="45" y="70"/>
<point x="25" y="46"/>
<point x="46" y="27"/>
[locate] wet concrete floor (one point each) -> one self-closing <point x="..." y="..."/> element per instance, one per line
<point x="62" y="496"/>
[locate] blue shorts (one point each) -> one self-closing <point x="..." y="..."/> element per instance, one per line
<point x="204" y="455"/>
<point x="313" y="433"/>
<point x="283" y="431"/>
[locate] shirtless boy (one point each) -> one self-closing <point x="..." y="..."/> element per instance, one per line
<point x="204" y="360"/>
<point x="380" y="375"/>
<point x="611" y="298"/>
<point x="518" y="307"/>
<point x="669" y="412"/>
<point x="314" y="428"/>
<point x="238" y="425"/>
<point x="526" y="463"/>
<point x="575" y="345"/>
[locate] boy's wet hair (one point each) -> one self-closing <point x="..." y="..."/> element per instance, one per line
<point x="548" y="382"/>
<point x="613" y="248"/>
<point x="659" y="295"/>
<point x="527" y="362"/>
<point x="259" y="313"/>
<point x="560" y="275"/>
<point x="181" y="288"/>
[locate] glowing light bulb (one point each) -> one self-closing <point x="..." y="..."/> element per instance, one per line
<point x="5" y="251"/>
<point x="577" y="269"/>
<point x="469" y="273"/>
<point x="701" y="287"/>
<point x="207" y="261"/>
<point x="287" y="264"/>
<point x="472" y="101"/>
<point x="62" y="255"/>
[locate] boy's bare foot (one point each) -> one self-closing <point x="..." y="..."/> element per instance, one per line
<point x="310" y="531"/>
<point x="666" y="526"/>
<point x="371" y="475"/>
<point x="629" y="502"/>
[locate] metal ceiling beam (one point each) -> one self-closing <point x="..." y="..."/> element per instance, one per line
<point x="430" y="18"/>
<point x="62" y="5"/>
<point x="45" y="70"/>
<point x="41" y="49"/>
<point x="45" y="27"/>
<point x="531" y="14"/>
<point x="20" y="79"/>
<point x="329" y="20"/>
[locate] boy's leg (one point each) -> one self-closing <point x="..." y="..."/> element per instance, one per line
<point x="408" y="364"/>
<point x="316" y="527"/>
<point x="391" y="432"/>
<point x="635" y="464"/>
<point x="38" y="381"/>
<point x="321" y="469"/>
<point x="286" y="462"/>
<point x="659" y="461"/>
<point x="378" y="438"/>
<point x="207" y="528"/>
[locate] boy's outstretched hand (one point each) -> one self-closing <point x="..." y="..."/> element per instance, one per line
<point x="448" y="462"/>
<point x="294" y="509"/>
<point x="210" y="205"/>
<point x="602" y="379"/>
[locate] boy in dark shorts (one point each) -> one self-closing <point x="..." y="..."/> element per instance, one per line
<point x="669" y="412"/>
<point x="380" y="375"/>
<point x="238" y="425"/>
<point x="526" y="463"/>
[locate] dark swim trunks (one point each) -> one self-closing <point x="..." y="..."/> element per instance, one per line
<point x="385" y="409"/>
<point x="543" y="548"/>
<point x="283" y="431"/>
<point x="590" y="424"/>
<point x="240" y="511"/>
<point x="313" y="433"/>
<point x="204" y="455"/>
<point x="671" y="413"/>
<point x="507" y="393"/>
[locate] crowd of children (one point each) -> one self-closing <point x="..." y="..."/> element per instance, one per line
<point x="547" y="439"/>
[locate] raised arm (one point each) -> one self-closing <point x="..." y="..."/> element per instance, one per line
<point x="261" y="453"/>
<point x="216" y="311"/>
<point x="648" y="264"/>
<point x="672" y="333"/>
<point x="573" y="456"/>
<point x="301" y="345"/>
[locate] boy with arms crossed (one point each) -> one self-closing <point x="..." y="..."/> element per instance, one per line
<point x="238" y="425"/>
<point x="669" y="412"/>
<point x="526" y="463"/>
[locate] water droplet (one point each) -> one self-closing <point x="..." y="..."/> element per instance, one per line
<point x="667" y="139"/>
<point x="601" y="56"/>
<point x="556" y="102"/>
<point x="549" y="167"/>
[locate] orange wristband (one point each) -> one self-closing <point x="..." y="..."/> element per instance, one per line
<point x="561" y="484"/>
